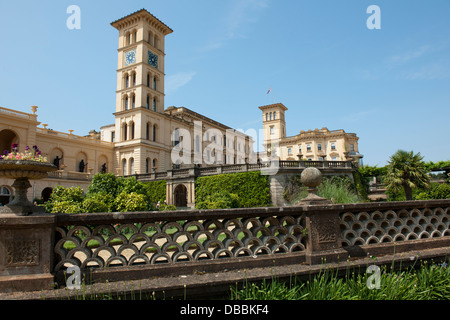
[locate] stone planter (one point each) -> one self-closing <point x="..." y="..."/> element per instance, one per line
<point x="22" y="171"/>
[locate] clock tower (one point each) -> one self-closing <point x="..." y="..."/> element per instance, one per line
<point x="140" y="93"/>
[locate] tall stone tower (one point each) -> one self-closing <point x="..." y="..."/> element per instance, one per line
<point x="274" y="124"/>
<point x="139" y="116"/>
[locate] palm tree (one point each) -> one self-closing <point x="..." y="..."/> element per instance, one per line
<point x="406" y="170"/>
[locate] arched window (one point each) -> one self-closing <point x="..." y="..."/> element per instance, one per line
<point x="135" y="36"/>
<point x="124" y="132"/>
<point x="133" y="101"/>
<point x="132" y="166"/>
<point x="124" y="167"/>
<point x="127" y="81"/>
<point x="176" y="139"/>
<point x="154" y="132"/>
<point x="125" y="103"/>
<point x="148" y="80"/>
<point x="155" y="42"/>
<point x="147" y="165"/>
<point x="275" y="115"/>
<point x="147" y="131"/>
<point x="7" y="138"/>
<point x="154" y="104"/>
<point x="154" y="83"/>
<point x="267" y="116"/>
<point x="46" y="193"/>
<point x="5" y="195"/>
<point x="127" y="38"/>
<point x="134" y="79"/>
<point x="132" y="130"/>
<point x="154" y="164"/>
<point x="271" y="116"/>
<point x="148" y="102"/>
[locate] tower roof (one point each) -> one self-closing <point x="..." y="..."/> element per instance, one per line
<point x="276" y="105"/>
<point x="137" y="16"/>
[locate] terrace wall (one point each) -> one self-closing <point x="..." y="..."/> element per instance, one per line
<point x="35" y="251"/>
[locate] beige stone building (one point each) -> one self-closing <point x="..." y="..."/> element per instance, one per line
<point x="313" y="145"/>
<point x="146" y="137"/>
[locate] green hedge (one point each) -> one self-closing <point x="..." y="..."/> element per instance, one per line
<point x="244" y="190"/>
<point x="156" y="191"/>
<point x="108" y="193"/>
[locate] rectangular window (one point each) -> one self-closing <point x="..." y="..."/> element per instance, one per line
<point x="352" y="147"/>
<point x="290" y="151"/>
<point x="333" y="146"/>
<point x="308" y="147"/>
<point x="113" y="136"/>
<point x="272" y="130"/>
<point x="319" y="147"/>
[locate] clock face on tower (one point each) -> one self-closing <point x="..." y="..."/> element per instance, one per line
<point x="130" y="57"/>
<point x="152" y="59"/>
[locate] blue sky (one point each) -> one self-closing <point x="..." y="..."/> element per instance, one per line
<point x="390" y="86"/>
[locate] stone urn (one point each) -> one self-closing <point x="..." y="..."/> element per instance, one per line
<point x="311" y="178"/>
<point x="21" y="171"/>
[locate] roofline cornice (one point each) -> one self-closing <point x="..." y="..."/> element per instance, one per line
<point x="138" y="16"/>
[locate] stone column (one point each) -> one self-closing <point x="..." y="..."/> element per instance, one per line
<point x="26" y="252"/>
<point x="322" y="223"/>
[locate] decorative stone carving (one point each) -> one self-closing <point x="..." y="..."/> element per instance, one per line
<point x="22" y="253"/>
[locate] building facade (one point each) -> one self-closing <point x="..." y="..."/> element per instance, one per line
<point x="145" y="137"/>
<point x="314" y="145"/>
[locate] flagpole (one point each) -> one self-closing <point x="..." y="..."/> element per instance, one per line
<point x="270" y="92"/>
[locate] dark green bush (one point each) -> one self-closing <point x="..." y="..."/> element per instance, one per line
<point x="246" y="190"/>
<point x="155" y="191"/>
<point x="435" y="191"/>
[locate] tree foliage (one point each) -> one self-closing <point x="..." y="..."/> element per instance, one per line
<point x="108" y="193"/>
<point x="406" y="170"/>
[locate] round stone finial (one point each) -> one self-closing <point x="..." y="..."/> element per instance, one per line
<point x="311" y="177"/>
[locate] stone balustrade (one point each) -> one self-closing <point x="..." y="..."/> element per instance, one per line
<point x="126" y="246"/>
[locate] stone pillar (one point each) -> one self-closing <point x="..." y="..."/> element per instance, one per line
<point x="277" y="183"/>
<point x="26" y="252"/>
<point x="322" y="223"/>
<point x="324" y="236"/>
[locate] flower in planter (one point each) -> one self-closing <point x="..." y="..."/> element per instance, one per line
<point x="31" y="154"/>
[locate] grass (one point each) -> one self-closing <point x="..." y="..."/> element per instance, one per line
<point x="428" y="282"/>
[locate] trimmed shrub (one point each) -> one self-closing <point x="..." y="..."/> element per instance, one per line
<point x="129" y="202"/>
<point x="98" y="202"/>
<point x="246" y="189"/>
<point x="62" y="197"/>
<point x="155" y="191"/>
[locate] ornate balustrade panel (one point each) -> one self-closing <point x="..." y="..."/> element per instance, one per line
<point x="397" y="223"/>
<point x="152" y="240"/>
